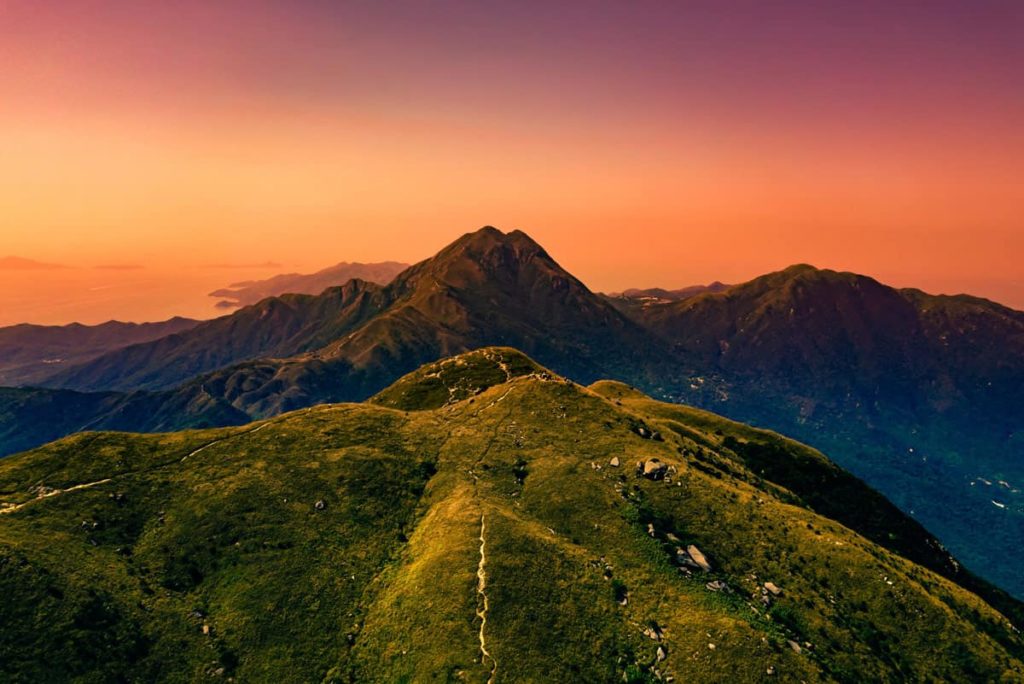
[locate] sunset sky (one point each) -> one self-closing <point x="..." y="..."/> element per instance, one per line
<point x="192" y="144"/>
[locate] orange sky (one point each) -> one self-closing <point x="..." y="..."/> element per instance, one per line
<point x="659" y="145"/>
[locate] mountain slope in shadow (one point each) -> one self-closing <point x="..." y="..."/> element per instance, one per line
<point x="30" y="353"/>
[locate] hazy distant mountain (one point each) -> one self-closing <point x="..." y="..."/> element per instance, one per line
<point x="655" y="294"/>
<point x="252" y="291"/>
<point x="29" y="353"/>
<point x="631" y="301"/>
<point x="480" y="520"/>
<point x="13" y="263"/>
<point x="920" y="395"/>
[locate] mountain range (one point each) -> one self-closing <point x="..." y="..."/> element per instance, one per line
<point x="917" y="394"/>
<point x="29" y="353"/>
<point x="253" y="291"/>
<point x="481" y="519"/>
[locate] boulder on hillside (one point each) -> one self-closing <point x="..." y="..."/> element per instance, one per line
<point x="655" y="469"/>
<point x="693" y="556"/>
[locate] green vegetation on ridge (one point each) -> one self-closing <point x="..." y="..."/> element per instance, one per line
<point x="491" y="528"/>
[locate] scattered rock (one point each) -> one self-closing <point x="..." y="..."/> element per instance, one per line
<point x="770" y="671"/>
<point x="661" y="654"/>
<point x="795" y="646"/>
<point x="206" y="630"/>
<point x="650" y="529"/>
<point x="711" y="647"/>
<point x="716" y="586"/>
<point x="698" y="558"/>
<point x="652" y="634"/>
<point x="655" y="469"/>
<point x="614" y="463"/>
<point x="773" y="588"/>
<point x="320" y="505"/>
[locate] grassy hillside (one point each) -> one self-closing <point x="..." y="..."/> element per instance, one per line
<point x="481" y="520"/>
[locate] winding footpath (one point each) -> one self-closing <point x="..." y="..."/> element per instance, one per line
<point x="222" y="439"/>
<point x="11" y="508"/>
<point x="481" y="590"/>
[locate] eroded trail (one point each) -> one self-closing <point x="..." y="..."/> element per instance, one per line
<point x="481" y="590"/>
<point x="222" y="439"/>
<point x="497" y="358"/>
<point x="11" y="508"/>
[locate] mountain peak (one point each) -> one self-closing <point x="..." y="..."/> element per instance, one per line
<point x="489" y="237"/>
<point x="485" y="256"/>
<point x="797" y="269"/>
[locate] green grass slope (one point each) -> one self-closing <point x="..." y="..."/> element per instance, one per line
<point x="470" y="524"/>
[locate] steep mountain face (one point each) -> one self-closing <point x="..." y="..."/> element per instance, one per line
<point x="275" y="327"/>
<point x="254" y="291"/>
<point x="918" y="394"/>
<point x="482" y="520"/>
<point x="30" y="353"/>
<point x="489" y="288"/>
